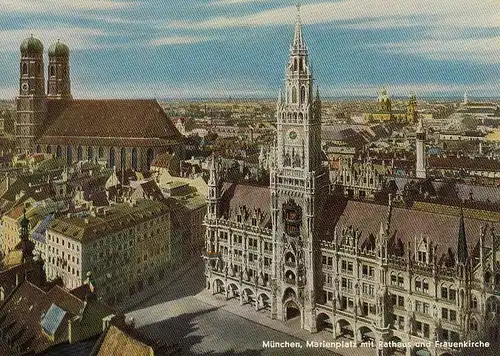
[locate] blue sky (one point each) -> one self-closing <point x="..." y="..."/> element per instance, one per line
<point x="219" y="48"/>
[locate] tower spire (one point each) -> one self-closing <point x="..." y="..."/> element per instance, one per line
<point x="462" y="253"/>
<point x="298" y="40"/>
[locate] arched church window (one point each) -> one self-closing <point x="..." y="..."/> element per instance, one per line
<point x="58" y="151"/>
<point x="111" y="157"/>
<point x="101" y="152"/>
<point x="79" y="153"/>
<point x="25" y="69"/>
<point x="149" y="157"/>
<point x="38" y="149"/>
<point x="295" y="64"/>
<point x="297" y="162"/>
<point x="123" y="156"/>
<point x="90" y="154"/>
<point x="302" y="94"/>
<point x="134" y="159"/>
<point x="301" y="117"/>
<point x="301" y="65"/>
<point x="48" y="149"/>
<point x="294" y="95"/>
<point x="287" y="160"/>
<point x="69" y="155"/>
<point x="52" y="71"/>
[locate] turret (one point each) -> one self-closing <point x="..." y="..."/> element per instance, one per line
<point x="58" y="83"/>
<point x="213" y="191"/>
<point x="421" y="169"/>
<point x="462" y="253"/>
<point x="31" y="102"/>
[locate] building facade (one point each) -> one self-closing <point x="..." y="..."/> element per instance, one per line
<point x="356" y="270"/>
<point x="124" y="248"/>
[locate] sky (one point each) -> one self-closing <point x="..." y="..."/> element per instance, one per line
<point x="181" y="49"/>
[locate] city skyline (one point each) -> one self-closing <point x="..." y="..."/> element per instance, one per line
<point x="223" y="48"/>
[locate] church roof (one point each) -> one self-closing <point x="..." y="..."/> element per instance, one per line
<point x="108" y="122"/>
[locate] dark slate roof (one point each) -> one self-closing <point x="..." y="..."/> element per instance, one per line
<point x="406" y="224"/>
<point x="253" y="198"/>
<point x="108" y="122"/>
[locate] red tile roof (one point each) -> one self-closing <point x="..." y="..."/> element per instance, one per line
<point x="109" y="122"/>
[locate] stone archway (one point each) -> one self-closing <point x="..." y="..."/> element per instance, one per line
<point x="218" y="286"/>
<point x="324" y="322"/>
<point x="248" y="296"/>
<point x="366" y="334"/>
<point x="292" y="310"/>
<point x="233" y="291"/>
<point x="263" y="302"/>
<point x="395" y="350"/>
<point x="422" y="351"/>
<point x="344" y="328"/>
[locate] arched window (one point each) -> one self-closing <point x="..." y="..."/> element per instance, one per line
<point x="39" y="69"/>
<point x="301" y="117"/>
<point x="301" y="65"/>
<point x="58" y="151"/>
<point x="48" y="149"/>
<point x="134" y="159"/>
<point x="487" y="277"/>
<point x="123" y="157"/>
<point x="38" y="149"/>
<point x="69" y="155"/>
<point x="302" y="94"/>
<point x="295" y="64"/>
<point x="294" y="95"/>
<point x="149" y="157"/>
<point x="111" y="157"/>
<point x="79" y="153"/>
<point x="90" y="154"/>
<point x="473" y="324"/>
<point x="52" y="71"/>
<point x="473" y="303"/>
<point x="25" y="69"/>
<point x="101" y="152"/>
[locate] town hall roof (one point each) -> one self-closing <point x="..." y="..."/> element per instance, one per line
<point x="108" y="122"/>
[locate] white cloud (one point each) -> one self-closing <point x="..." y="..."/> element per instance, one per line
<point x="177" y="40"/>
<point x="37" y="6"/>
<point x="233" y="2"/>
<point x="457" y="13"/>
<point x="75" y="38"/>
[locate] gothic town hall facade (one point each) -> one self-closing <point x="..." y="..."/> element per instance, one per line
<point x="426" y="276"/>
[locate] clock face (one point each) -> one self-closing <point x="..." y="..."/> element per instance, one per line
<point x="25" y="87"/>
<point x="292" y="135"/>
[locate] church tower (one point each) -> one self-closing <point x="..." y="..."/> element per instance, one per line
<point x="421" y="171"/>
<point x="299" y="185"/>
<point x="411" y="110"/>
<point x="58" y="82"/>
<point x="31" y="102"/>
